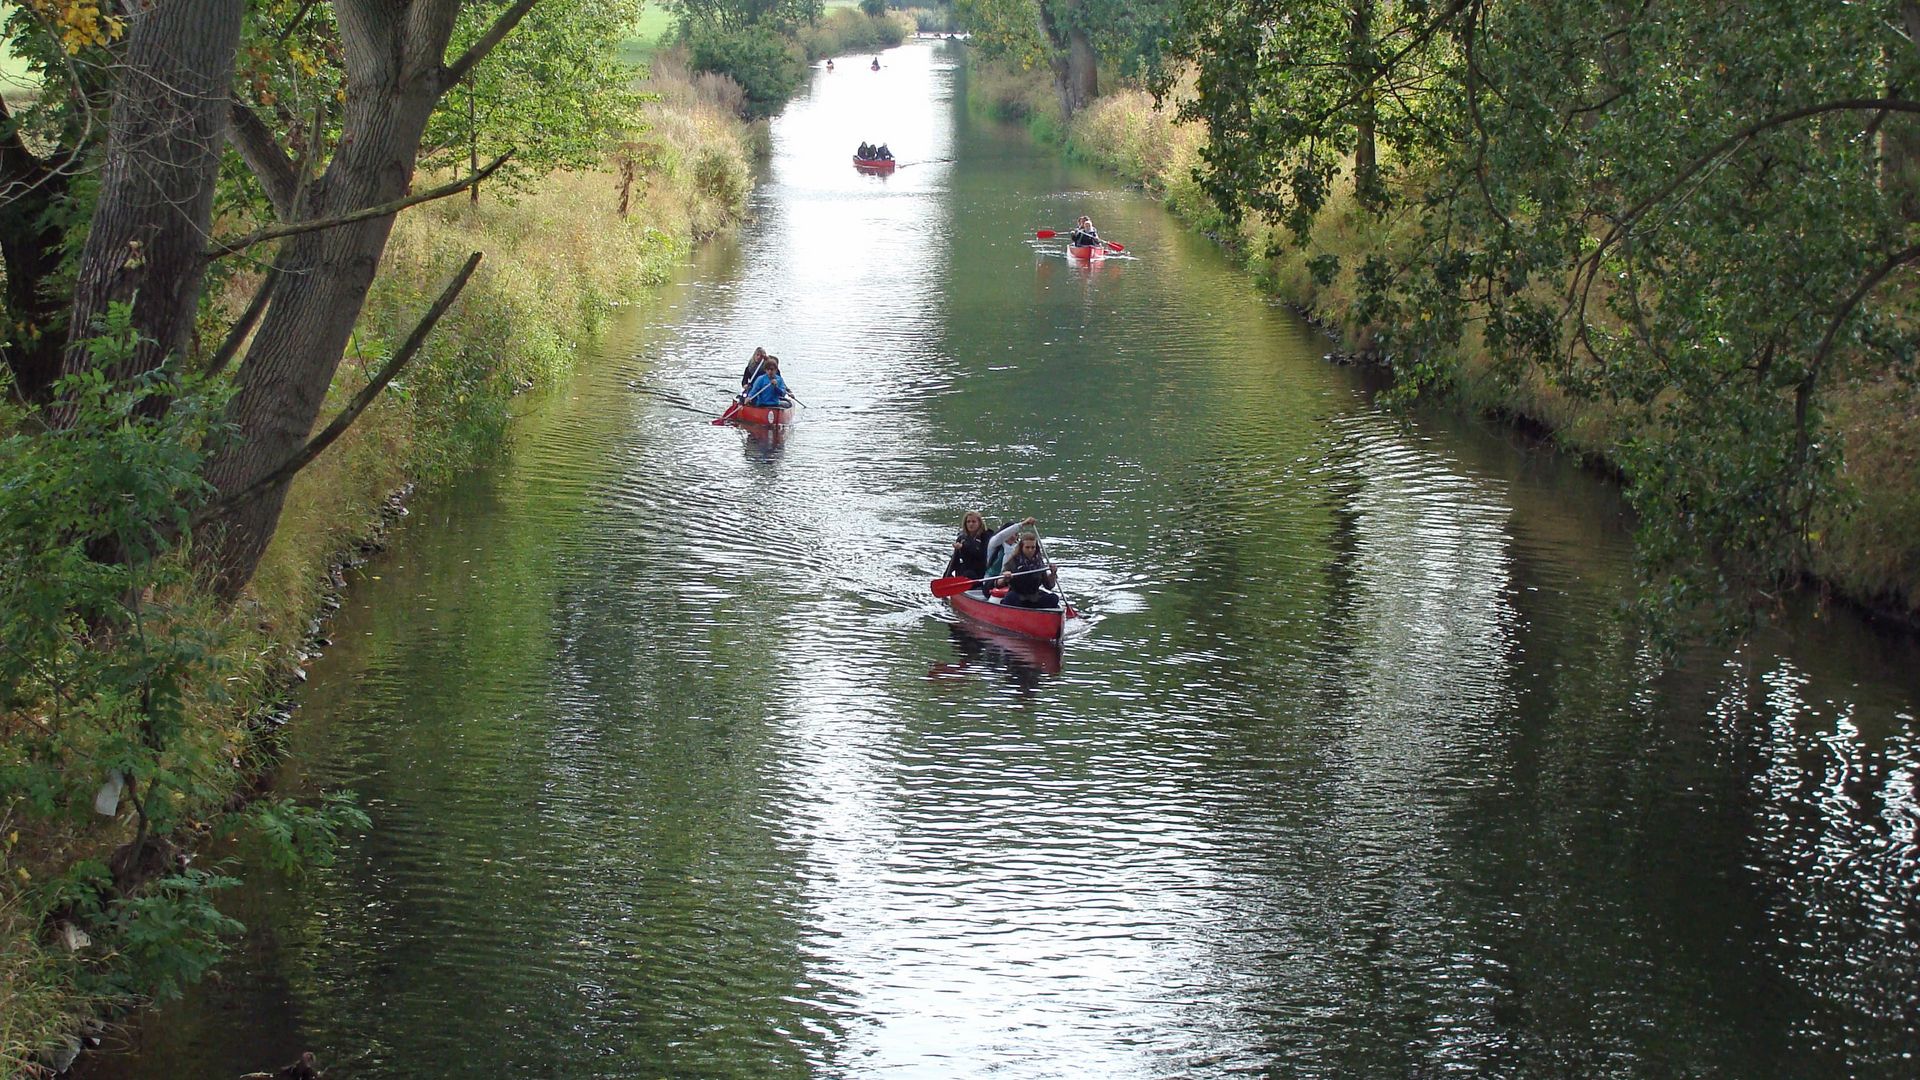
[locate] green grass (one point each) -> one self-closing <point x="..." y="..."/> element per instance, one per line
<point x="643" y="37"/>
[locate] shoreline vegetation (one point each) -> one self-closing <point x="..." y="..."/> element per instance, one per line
<point x="100" y="909"/>
<point x="1866" y="546"/>
<point x="560" y="250"/>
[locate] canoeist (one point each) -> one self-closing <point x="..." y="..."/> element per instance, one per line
<point x="876" y="63"/>
<point x="883" y="153"/>
<point x="1084" y="234"/>
<point x="969" y="548"/>
<point x="754" y="364"/>
<point x="1002" y="542"/>
<point x="1028" y="575"/>
<point x="768" y="390"/>
<point x="829" y="65"/>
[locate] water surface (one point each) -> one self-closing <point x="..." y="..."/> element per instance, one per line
<point x="676" y="769"/>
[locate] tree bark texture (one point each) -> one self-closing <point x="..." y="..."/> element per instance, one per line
<point x="1075" y="65"/>
<point x="149" y="231"/>
<point x="1366" y="169"/>
<point x="395" y="76"/>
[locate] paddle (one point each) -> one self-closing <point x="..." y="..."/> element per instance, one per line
<point x="954" y="586"/>
<point x="1065" y="607"/>
<point x="728" y="415"/>
<point x="1048" y="234"/>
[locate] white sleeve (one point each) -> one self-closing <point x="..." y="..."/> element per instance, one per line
<point x="1002" y="539"/>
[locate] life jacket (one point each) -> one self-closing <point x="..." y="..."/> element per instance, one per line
<point x="768" y="392"/>
<point x="971" y="559"/>
<point x="1023" y="583"/>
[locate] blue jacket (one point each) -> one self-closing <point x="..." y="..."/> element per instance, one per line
<point x="767" y="391"/>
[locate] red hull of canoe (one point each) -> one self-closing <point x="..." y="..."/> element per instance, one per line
<point x="1088" y="252"/>
<point x="875" y="164"/>
<point x="754" y="414"/>
<point x="1043" y="623"/>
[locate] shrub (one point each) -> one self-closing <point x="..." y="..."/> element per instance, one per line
<point x="760" y="60"/>
<point x="845" y="30"/>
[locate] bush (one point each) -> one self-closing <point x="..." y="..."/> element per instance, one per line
<point x="767" y="68"/>
<point x="845" y="30"/>
<point x="934" y="20"/>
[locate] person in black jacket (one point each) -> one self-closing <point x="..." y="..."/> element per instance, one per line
<point x="754" y="364"/>
<point x="970" y="549"/>
<point x="1029" y="575"/>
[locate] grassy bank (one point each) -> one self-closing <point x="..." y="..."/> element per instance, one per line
<point x="557" y="258"/>
<point x="1867" y="546"/>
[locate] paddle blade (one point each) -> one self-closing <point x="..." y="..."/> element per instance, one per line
<point x="1045" y="234"/>
<point x="1111" y="246"/>
<point x="953" y="586"/>
<point x="728" y="415"/>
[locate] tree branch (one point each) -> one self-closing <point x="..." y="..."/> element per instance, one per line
<point x="242" y="326"/>
<point x="275" y="232"/>
<point x="454" y="72"/>
<point x="1840" y="314"/>
<point x="261" y="151"/>
<point x="1589" y="267"/>
<point x="304" y="456"/>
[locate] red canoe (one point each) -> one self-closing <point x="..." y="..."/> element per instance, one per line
<point x="874" y="164"/>
<point x="1047" y="624"/>
<point x="755" y="414"/>
<point x="1088" y="252"/>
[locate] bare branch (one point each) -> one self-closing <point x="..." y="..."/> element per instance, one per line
<point x="264" y="157"/>
<point x="275" y="232"/>
<point x="244" y="325"/>
<point x="495" y="34"/>
<point x="304" y="456"/>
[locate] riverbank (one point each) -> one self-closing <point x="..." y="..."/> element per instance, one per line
<point x="558" y="257"/>
<point x="1866" y="546"/>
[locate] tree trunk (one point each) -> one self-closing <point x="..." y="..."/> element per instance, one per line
<point x="1366" y="169"/>
<point x="395" y="77"/>
<point x="1076" y="74"/>
<point x="146" y="245"/>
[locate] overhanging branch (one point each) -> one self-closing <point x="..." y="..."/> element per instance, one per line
<point x="304" y="456"/>
<point x="1589" y="267"/>
<point x="479" y="49"/>
<point x="275" y="232"/>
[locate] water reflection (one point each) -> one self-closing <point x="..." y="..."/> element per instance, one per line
<point x="1023" y="659"/>
<point x="763" y="442"/>
<point x="678" y="770"/>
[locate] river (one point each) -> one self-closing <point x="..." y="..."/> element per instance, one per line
<point x="1351" y="769"/>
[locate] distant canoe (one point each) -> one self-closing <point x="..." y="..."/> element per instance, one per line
<point x="876" y="165"/>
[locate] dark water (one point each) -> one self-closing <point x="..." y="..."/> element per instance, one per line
<point x="677" y="770"/>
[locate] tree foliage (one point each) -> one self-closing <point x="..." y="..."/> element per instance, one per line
<point x="1072" y="38"/>
<point x="735" y="15"/>
<point x="767" y="66"/>
<point x="1694" y="214"/>
<point x="105" y="660"/>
